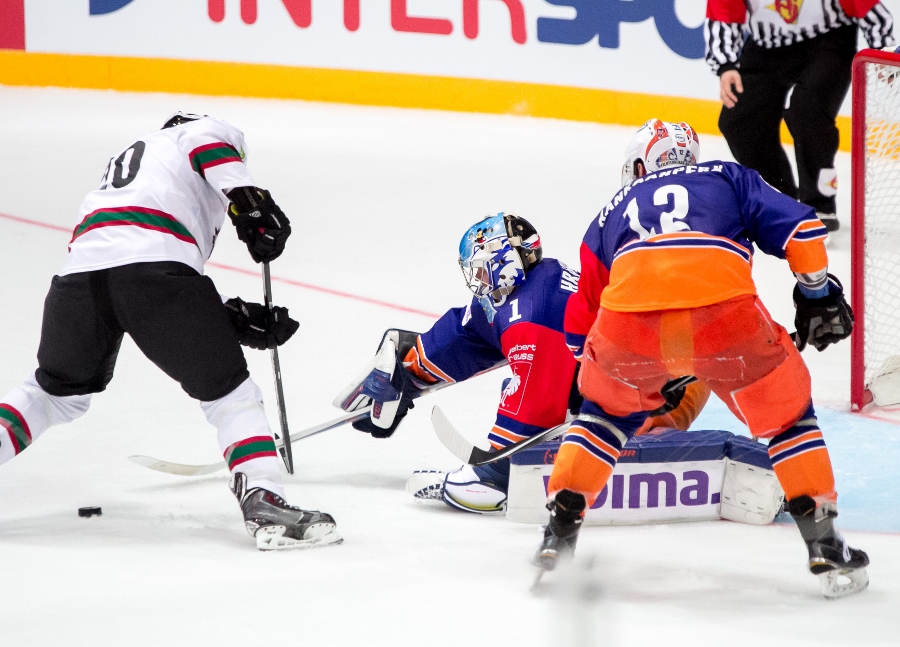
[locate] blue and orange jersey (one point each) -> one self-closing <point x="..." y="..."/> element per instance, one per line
<point x="683" y="238"/>
<point x="525" y="332"/>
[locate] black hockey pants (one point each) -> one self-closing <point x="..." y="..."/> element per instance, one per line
<point x="818" y="70"/>
<point x="173" y="314"/>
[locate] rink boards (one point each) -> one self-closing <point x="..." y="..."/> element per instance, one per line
<point x="664" y="476"/>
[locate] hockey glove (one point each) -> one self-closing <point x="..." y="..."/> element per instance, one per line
<point x="366" y="424"/>
<point x="673" y="392"/>
<point x="395" y="390"/>
<point x="259" y="328"/>
<point x="260" y="223"/>
<point x="824" y="321"/>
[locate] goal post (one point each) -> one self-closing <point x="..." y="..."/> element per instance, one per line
<point x="875" y="229"/>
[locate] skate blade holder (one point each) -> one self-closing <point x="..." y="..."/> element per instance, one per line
<point x="272" y="537"/>
<point x="839" y="583"/>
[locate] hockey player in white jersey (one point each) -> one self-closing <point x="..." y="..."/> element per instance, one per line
<point x="135" y="266"/>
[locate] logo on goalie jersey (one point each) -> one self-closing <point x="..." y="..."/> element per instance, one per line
<point x="511" y="398"/>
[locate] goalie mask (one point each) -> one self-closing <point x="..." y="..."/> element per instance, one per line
<point x="495" y="254"/>
<point x="659" y="144"/>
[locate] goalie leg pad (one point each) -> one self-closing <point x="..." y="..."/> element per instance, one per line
<point x="750" y="494"/>
<point x="467" y="489"/>
<point x="427" y="485"/>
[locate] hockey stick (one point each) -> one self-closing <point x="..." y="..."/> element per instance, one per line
<point x="468" y="452"/>
<point x="284" y="447"/>
<point x="182" y="469"/>
<point x="201" y="470"/>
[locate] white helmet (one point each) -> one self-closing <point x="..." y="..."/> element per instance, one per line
<point x="659" y="144"/>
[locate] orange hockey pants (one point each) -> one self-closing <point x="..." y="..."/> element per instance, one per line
<point x="734" y="347"/>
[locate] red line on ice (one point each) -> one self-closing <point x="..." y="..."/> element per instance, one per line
<point x="280" y="279"/>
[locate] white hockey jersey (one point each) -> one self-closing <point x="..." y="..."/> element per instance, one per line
<point x="161" y="199"/>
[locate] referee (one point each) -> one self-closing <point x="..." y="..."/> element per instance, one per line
<point x="789" y="59"/>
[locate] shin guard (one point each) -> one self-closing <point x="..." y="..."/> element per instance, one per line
<point x="245" y="438"/>
<point x="589" y="451"/>
<point x="801" y="461"/>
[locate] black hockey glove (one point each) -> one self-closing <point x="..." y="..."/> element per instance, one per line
<point x="260" y="223"/>
<point x="259" y="328"/>
<point x="825" y="321"/>
<point x="673" y="392"/>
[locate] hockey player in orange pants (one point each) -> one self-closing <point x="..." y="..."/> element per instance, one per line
<point x="668" y="260"/>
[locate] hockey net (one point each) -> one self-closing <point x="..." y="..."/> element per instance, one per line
<point x="875" y="368"/>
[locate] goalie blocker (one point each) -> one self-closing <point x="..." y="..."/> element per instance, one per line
<point x="385" y="385"/>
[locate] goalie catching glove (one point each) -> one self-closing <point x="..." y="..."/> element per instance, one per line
<point x="385" y="384"/>
<point x="257" y="326"/>
<point x="822" y="321"/>
<point x="260" y="223"/>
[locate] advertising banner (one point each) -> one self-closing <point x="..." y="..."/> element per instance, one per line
<point x="602" y="60"/>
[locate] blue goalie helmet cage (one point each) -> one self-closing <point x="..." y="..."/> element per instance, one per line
<point x="496" y="253"/>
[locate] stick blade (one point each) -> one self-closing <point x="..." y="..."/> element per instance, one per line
<point x="450" y="437"/>
<point x="178" y="469"/>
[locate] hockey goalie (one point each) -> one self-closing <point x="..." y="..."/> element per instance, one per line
<point x="515" y="318"/>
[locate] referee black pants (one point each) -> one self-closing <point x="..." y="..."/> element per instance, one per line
<point x="818" y="71"/>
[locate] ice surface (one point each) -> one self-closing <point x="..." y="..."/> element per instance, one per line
<point x="378" y="198"/>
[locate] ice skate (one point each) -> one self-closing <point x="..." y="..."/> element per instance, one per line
<point x="278" y="525"/>
<point x="840" y="568"/>
<point x="561" y="534"/>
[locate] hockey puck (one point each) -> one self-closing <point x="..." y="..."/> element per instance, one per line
<point x="90" y="512"/>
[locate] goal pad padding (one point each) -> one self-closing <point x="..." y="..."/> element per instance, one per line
<point x="664" y="476"/>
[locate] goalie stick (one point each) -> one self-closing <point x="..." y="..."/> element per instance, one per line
<point x="466" y="451"/>
<point x="201" y="470"/>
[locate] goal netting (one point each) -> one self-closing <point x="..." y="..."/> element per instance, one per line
<point x="875" y="287"/>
